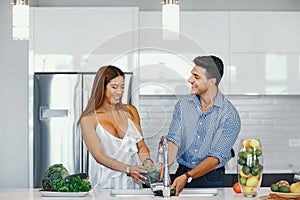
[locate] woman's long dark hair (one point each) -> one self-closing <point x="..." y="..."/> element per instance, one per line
<point x="104" y="75"/>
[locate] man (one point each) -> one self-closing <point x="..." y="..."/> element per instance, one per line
<point x="203" y="130"/>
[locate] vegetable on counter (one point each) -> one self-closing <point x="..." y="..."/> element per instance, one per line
<point x="57" y="178"/>
<point x="295" y="187"/>
<point x="81" y="175"/>
<point x="285" y="187"/>
<point x="76" y="184"/>
<point x="54" y="175"/>
<point x="236" y="187"/>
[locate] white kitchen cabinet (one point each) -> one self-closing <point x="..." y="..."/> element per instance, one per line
<point x="264" y="53"/>
<point x="264" y="73"/>
<point x="82" y="38"/>
<point x="165" y="65"/>
<point x="245" y="74"/>
<point x="200" y="32"/>
<point x="265" y="32"/>
<point x="260" y="49"/>
<point x="210" y="30"/>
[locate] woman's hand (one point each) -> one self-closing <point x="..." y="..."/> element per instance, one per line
<point x="135" y="173"/>
<point x="149" y="163"/>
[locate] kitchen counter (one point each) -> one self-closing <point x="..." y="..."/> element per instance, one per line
<point x="31" y="194"/>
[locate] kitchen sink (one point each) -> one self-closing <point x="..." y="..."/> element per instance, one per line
<point x="131" y="192"/>
<point x="206" y="192"/>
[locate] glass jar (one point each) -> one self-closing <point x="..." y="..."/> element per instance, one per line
<point x="250" y="166"/>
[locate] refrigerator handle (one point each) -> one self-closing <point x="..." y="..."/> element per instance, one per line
<point x="46" y="113"/>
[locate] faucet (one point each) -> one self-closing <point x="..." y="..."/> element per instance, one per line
<point x="163" y="159"/>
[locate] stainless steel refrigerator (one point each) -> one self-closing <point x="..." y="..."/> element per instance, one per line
<point x="59" y="99"/>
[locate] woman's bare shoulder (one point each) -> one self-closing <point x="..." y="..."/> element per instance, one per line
<point x="89" y="119"/>
<point x="130" y="107"/>
<point x="133" y="112"/>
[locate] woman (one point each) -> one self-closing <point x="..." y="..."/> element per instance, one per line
<point x="112" y="134"/>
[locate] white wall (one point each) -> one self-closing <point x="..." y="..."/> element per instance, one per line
<point x="13" y="104"/>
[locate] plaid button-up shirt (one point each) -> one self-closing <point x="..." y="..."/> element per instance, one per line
<point x="198" y="135"/>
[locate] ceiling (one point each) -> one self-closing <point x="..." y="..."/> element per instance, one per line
<point x="185" y="5"/>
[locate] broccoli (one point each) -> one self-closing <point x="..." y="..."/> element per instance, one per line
<point x="79" y="185"/>
<point x="54" y="175"/>
<point x="76" y="184"/>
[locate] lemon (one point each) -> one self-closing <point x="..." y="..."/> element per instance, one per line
<point x="244" y="175"/>
<point x="295" y="187"/>
<point x="252" y="181"/>
<point x="257" y="184"/>
<point x="247" y="189"/>
<point x="245" y="143"/>
<point x="254" y="143"/>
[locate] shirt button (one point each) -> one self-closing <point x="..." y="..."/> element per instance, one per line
<point x="198" y="136"/>
<point x="196" y="150"/>
<point x="200" y="123"/>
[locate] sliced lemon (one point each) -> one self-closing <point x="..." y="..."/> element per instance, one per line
<point x="244" y="175"/>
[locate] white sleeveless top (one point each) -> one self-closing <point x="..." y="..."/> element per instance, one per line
<point x="124" y="150"/>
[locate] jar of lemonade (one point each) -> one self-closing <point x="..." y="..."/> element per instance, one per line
<point x="250" y="166"/>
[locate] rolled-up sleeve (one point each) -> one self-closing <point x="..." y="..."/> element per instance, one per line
<point x="226" y="135"/>
<point x="175" y="129"/>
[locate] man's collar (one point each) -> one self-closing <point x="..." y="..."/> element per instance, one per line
<point x="217" y="102"/>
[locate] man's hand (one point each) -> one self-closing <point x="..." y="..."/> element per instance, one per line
<point x="179" y="183"/>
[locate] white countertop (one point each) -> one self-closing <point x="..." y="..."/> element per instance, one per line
<point x="31" y="194"/>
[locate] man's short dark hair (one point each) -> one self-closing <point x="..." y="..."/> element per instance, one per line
<point x="213" y="65"/>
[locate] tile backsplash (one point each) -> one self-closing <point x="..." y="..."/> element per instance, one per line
<point x="274" y="119"/>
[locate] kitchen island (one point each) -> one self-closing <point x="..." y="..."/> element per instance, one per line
<point x="35" y="194"/>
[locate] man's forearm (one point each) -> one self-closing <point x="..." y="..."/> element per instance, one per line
<point x="173" y="149"/>
<point x="204" y="167"/>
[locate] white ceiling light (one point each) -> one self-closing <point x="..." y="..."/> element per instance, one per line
<point x="20" y="20"/>
<point x="170" y="19"/>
